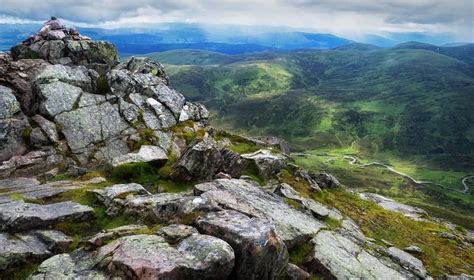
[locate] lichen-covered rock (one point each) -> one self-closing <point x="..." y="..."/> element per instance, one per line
<point x="9" y="106"/>
<point x="267" y="163"/>
<point x="315" y="208"/>
<point x="17" y="216"/>
<point x="12" y="131"/>
<point x="151" y="257"/>
<point x="292" y="225"/>
<point x="260" y="253"/>
<point x="90" y="125"/>
<point x="57" y="97"/>
<point x="337" y="257"/>
<point x="14" y="250"/>
<point x="78" y="76"/>
<point x="201" y="161"/>
<point x="77" y="265"/>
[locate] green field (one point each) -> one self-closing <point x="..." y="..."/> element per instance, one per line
<point x="409" y="107"/>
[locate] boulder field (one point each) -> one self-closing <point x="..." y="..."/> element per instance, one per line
<point x="94" y="155"/>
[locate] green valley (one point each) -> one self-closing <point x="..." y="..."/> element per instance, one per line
<point x="409" y="107"/>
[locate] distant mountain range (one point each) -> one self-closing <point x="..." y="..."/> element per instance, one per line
<point x="222" y="39"/>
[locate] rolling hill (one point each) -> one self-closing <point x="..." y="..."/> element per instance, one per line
<point x="410" y="99"/>
<point x="409" y="106"/>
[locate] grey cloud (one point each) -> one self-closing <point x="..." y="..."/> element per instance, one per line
<point x="336" y="16"/>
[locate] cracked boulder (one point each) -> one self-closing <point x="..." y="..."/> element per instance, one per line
<point x="260" y="252"/>
<point x="292" y="225"/>
<point x="202" y="160"/>
<point x="151" y="257"/>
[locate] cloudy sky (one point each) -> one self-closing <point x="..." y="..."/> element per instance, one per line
<point x="340" y="17"/>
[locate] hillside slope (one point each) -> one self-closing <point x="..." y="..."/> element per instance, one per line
<point x="411" y="101"/>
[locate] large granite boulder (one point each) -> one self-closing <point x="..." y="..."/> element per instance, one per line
<point x="337" y="257"/>
<point x="151" y="257"/>
<point x="260" y="252"/>
<point x="292" y="225"/>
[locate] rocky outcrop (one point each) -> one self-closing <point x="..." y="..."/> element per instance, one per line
<point x="291" y="225"/>
<point x="151" y="257"/>
<point x="85" y="107"/>
<point x="338" y="257"/>
<point x="260" y="253"/>
<point x="267" y="163"/>
<point x="201" y="161"/>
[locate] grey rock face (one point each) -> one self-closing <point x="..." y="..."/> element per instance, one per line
<point x="34" y="162"/>
<point x="147" y="153"/>
<point x="14" y="250"/>
<point x="260" y="253"/>
<point x="267" y="163"/>
<point x="78" y="76"/>
<point x="408" y="261"/>
<point x="9" y="106"/>
<point x="94" y="54"/>
<point x="55" y="240"/>
<point x="17" y="216"/>
<point x="292" y="225"/>
<point x="338" y="257"/>
<point x="11" y="137"/>
<point x="57" y="97"/>
<point x="150" y="256"/>
<point x="200" y="161"/>
<point x="88" y="125"/>
<point x="78" y="265"/>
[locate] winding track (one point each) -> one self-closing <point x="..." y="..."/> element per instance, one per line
<point x="353" y="161"/>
